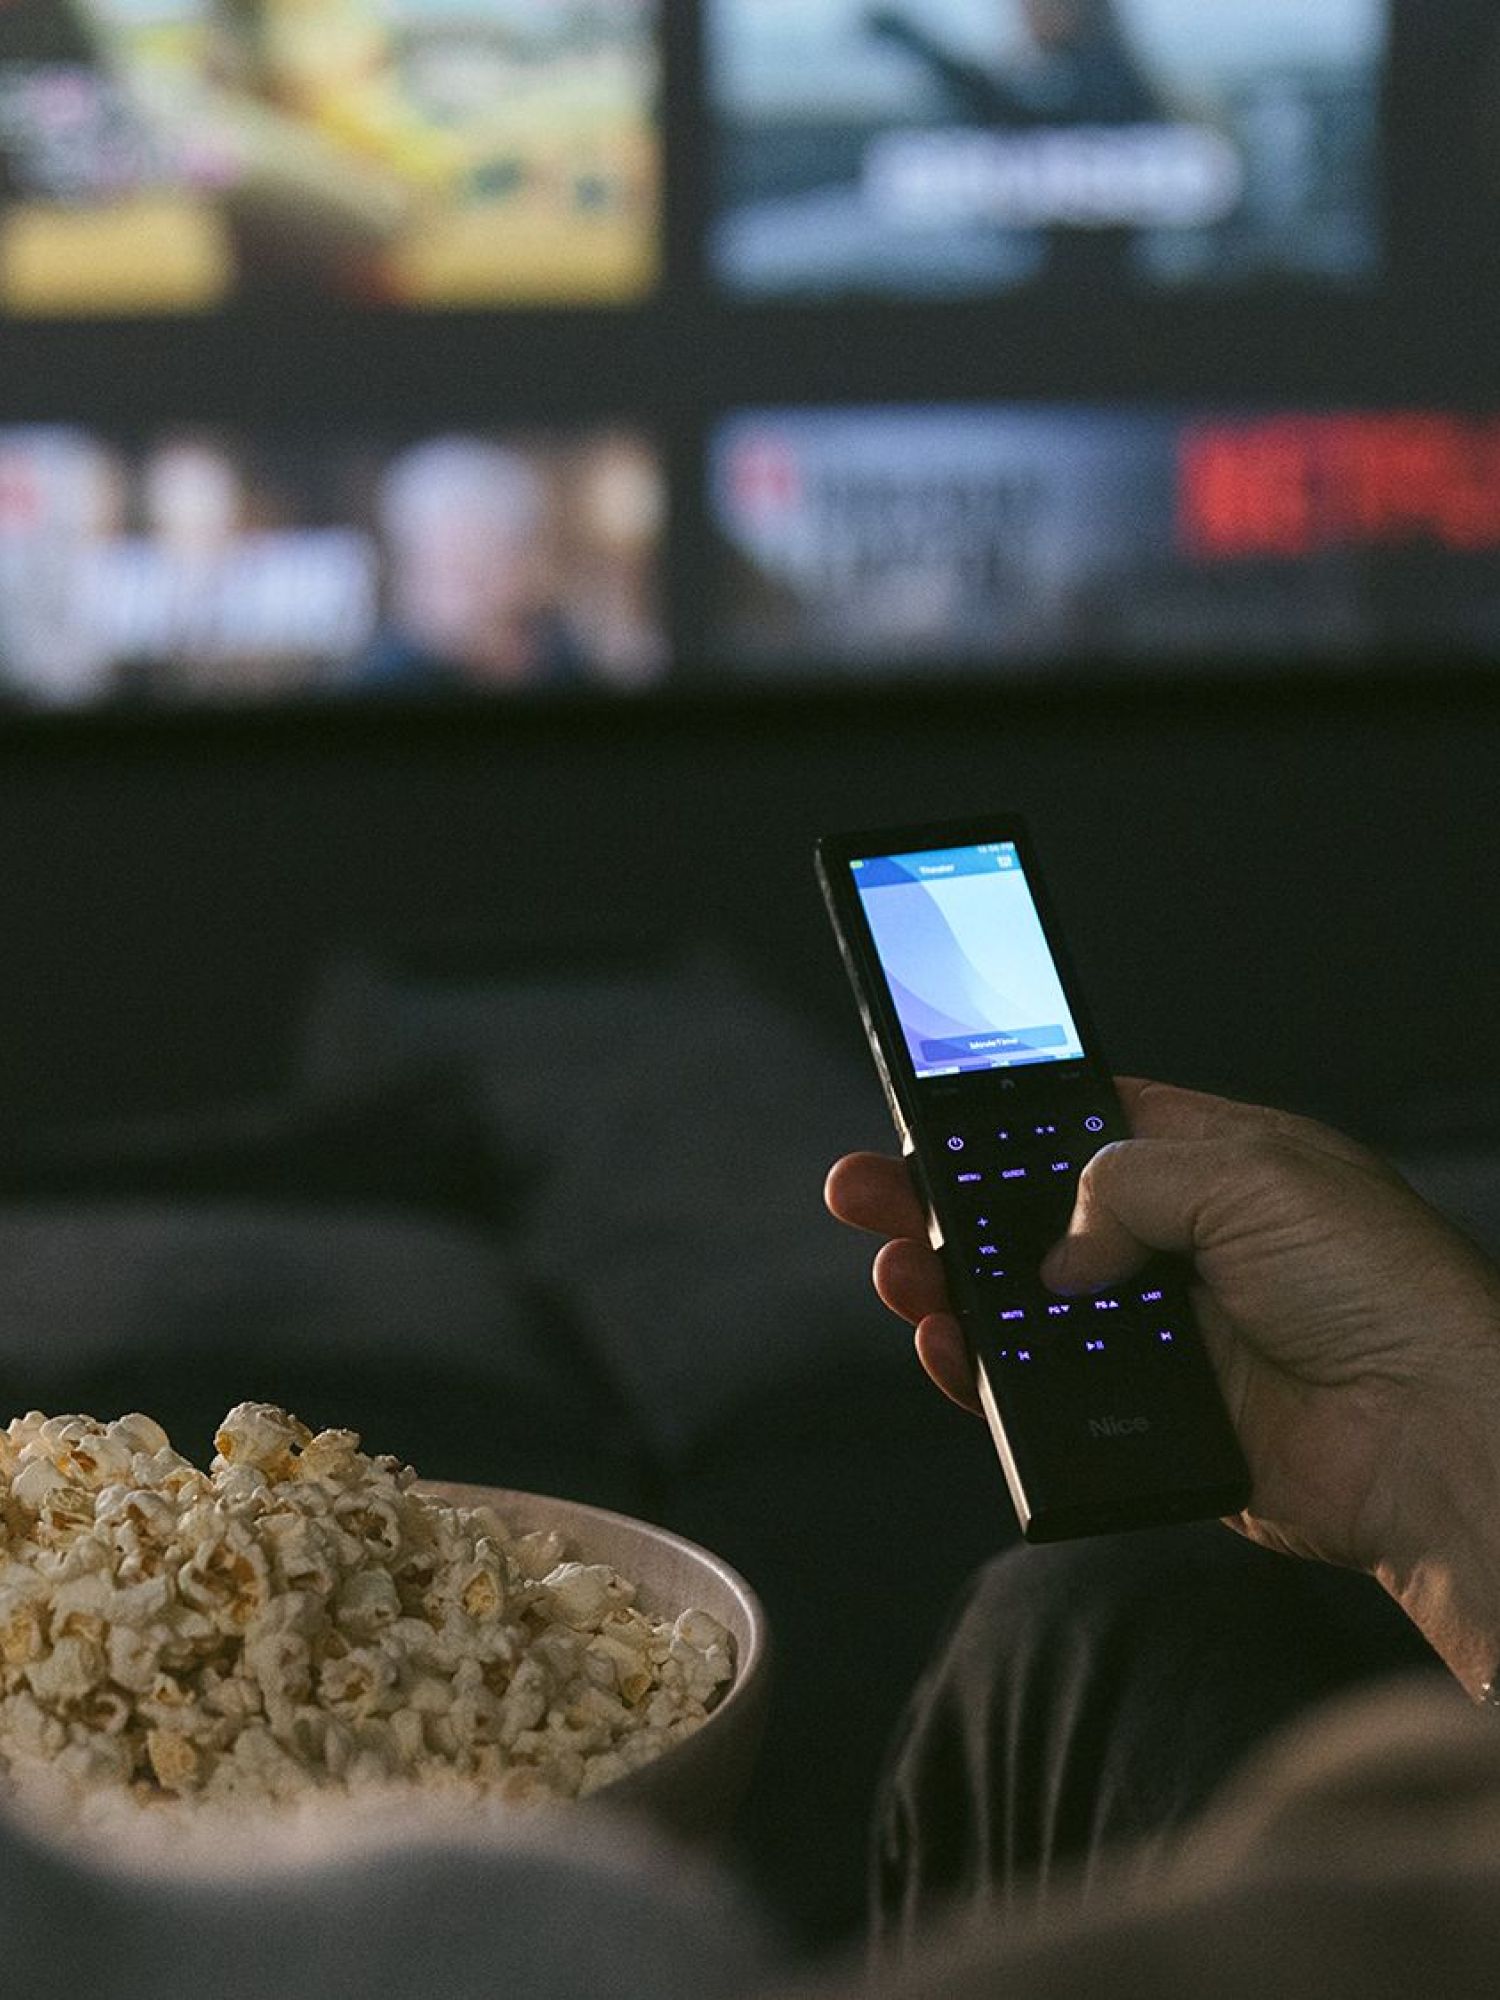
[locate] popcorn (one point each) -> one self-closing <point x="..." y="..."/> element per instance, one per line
<point x="299" y="1619"/>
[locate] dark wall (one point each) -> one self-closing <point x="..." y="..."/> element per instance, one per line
<point x="1282" y="892"/>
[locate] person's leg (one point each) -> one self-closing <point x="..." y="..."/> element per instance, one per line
<point x="1097" y="1693"/>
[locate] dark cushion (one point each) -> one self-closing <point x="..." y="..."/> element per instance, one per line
<point x="414" y="1138"/>
<point x="422" y="1335"/>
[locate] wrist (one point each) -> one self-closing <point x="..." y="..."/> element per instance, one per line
<point x="1452" y="1599"/>
<point x="1441" y="1564"/>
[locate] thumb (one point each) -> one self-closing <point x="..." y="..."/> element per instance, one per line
<point x="1134" y="1197"/>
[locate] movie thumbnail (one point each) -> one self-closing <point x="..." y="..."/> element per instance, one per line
<point x="874" y="543"/>
<point x="201" y="567"/>
<point x="926" y="149"/>
<point x="178" y="156"/>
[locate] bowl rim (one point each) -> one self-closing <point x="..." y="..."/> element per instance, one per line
<point x="751" y="1656"/>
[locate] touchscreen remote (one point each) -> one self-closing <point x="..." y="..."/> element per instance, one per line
<point x="1104" y="1408"/>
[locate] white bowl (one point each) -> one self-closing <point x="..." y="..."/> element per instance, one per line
<point x="693" y="1788"/>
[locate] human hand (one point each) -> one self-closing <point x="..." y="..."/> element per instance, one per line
<point x="1355" y="1333"/>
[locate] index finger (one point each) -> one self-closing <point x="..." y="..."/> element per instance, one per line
<point x="874" y="1191"/>
<point x="1166" y="1111"/>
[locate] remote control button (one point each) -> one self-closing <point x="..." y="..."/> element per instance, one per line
<point x="1015" y="1357"/>
<point x="969" y="1231"/>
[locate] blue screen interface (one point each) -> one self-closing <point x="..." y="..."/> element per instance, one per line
<point x="967" y="962"/>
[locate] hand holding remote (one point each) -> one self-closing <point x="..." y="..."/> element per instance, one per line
<point x="1355" y="1333"/>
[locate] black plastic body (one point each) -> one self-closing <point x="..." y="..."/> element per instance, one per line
<point x="1105" y="1409"/>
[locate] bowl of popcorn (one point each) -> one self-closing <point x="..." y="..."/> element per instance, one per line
<point x="303" y="1620"/>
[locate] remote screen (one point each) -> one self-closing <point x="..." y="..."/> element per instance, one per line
<point x="967" y="962"/>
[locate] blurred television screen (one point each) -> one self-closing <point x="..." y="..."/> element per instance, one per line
<point x="926" y="149"/>
<point x="199" y="566"/>
<point x="878" y="542"/>
<point x="178" y="155"/>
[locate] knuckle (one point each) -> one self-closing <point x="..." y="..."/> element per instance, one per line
<point x="1260" y="1175"/>
<point x="1101" y="1170"/>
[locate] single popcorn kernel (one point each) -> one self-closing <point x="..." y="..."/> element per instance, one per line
<point x="260" y="1435"/>
<point x="173" y="1759"/>
<point x="299" y="1617"/>
<point x="483" y="1594"/>
<point x="23" y="1636"/>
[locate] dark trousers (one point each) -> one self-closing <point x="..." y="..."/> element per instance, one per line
<point x="1090" y="1697"/>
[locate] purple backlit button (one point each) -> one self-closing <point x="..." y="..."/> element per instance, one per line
<point x="1093" y="1123"/>
<point x="955" y="1144"/>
